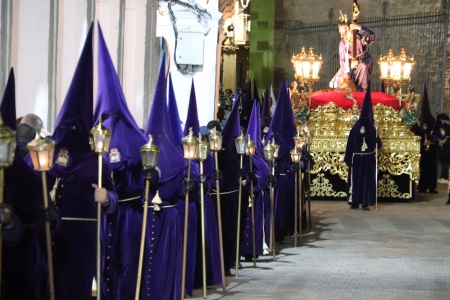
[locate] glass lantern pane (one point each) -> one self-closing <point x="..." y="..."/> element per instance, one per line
<point x="4" y="154"/>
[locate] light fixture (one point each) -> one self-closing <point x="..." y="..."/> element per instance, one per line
<point x="250" y="151"/>
<point x="7" y="145"/>
<point x="240" y="23"/>
<point x="298" y="140"/>
<point x="149" y="154"/>
<point x="241" y="144"/>
<point x="396" y="70"/>
<point x="190" y="146"/>
<point x="41" y="152"/>
<point x="215" y="141"/>
<point x="269" y="151"/>
<point x="101" y="138"/>
<point x="307" y="67"/>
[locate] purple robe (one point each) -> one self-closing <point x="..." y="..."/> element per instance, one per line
<point x="75" y="241"/>
<point x="164" y="245"/>
<point x="212" y="246"/>
<point x="361" y="185"/>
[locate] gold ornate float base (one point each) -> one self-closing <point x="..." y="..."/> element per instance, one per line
<point x="398" y="160"/>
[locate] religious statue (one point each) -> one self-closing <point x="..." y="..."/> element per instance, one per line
<point x="299" y="101"/>
<point x="409" y="110"/>
<point x="356" y="63"/>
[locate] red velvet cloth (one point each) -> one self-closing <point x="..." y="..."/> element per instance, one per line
<point x="323" y="97"/>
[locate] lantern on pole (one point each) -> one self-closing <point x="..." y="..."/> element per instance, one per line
<point x="241" y="149"/>
<point x="7" y="148"/>
<point x="215" y="144"/>
<point x="149" y="157"/>
<point x="100" y="139"/>
<point x="296" y="155"/>
<point x="202" y="155"/>
<point x="190" y="148"/>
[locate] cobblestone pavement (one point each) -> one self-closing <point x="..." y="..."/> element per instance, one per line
<point x="400" y="251"/>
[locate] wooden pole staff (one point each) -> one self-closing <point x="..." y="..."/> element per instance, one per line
<point x="143" y="233"/>
<point x="239" y="218"/>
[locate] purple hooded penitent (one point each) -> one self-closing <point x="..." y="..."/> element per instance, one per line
<point x="122" y="229"/>
<point x="161" y="267"/>
<point x="24" y="258"/>
<point x="282" y="130"/>
<point x="266" y="116"/>
<point x="426" y="129"/>
<point x="229" y="185"/>
<point x="76" y="168"/>
<point x="360" y="156"/>
<point x="261" y="170"/>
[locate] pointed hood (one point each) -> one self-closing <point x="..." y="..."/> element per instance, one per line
<point x="174" y="116"/>
<point x="170" y="161"/>
<point x="255" y="92"/>
<point x="366" y="114"/>
<point x="8" y="106"/>
<point x="228" y="157"/>
<point x="282" y="128"/>
<point x="75" y="119"/>
<point x="192" y="115"/>
<point x="273" y="100"/>
<point x="266" y="117"/>
<point x="425" y="111"/>
<point x="247" y="105"/>
<point x="254" y="131"/>
<point x="111" y="106"/>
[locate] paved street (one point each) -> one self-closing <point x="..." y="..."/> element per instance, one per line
<point x="400" y="251"/>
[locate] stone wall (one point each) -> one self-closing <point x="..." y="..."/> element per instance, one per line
<point x="298" y="12"/>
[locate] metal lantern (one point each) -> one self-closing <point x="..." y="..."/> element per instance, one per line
<point x="41" y="152"/>
<point x="101" y="137"/>
<point x="269" y="151"/>
<point x="215" y="141"/>
<point x="396" y="69"/>
<point x="241" y="144"/>
<point x="308" y="138"/>
<point x="298" y="139"/>
<point x="149" y="153"/>
<point x="296" y="155"/>
<point x="250" y="151"/>
<point x="202" y="148"/>
<point x="276" y="149"/>
<point x="307" y="66"/>
<point x="190" y="146"/>
<point x="7" y="145"/>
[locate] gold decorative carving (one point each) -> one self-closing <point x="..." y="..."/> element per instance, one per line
<point x="321" y="187"/>
<point x="387" y="188"/>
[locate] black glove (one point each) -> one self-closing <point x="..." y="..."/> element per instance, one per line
<point x="49" y="214"/>
<point x="252" y="177"/>
<point x="271" y="179"/>
<point x="188" y="184"/>
<point x="295" y="167"/>
<point x="242" y="174"/>
<point x="152" y="175"/>
<point x="217" y="174"/>
<point x="203" y="179"/>
<point x="5" y="214"/>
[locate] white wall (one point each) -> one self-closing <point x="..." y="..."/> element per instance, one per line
<point x="30" y="48"/>
<point x="204" y="80"/>
<point x="29" y="56"/>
